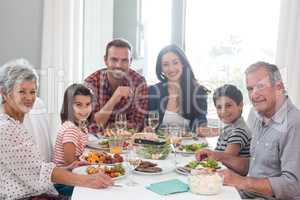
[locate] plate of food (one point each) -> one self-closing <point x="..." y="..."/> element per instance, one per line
<point x="95" y="157"/>
<point x="114" y="171"/>
<point x="190" y="148"/>
<point x="207" y="164"/>
<point x="109" y="132"/>
<point x="103" y="144"/>
<point x="147" y="167"/>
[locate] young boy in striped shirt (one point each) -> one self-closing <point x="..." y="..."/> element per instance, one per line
<point x="235" y="136"/>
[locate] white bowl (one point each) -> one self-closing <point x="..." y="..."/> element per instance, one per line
<point x="205" y="184"/>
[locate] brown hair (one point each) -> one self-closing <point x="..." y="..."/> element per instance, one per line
<point x="118" y="43"/>
<point x="67" y="111"/>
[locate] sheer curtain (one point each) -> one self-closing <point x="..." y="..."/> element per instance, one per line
<point x="61" y="53"/>
<point x="288" y="47"/>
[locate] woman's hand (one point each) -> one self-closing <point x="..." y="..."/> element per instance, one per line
<point x="98" y="181"/>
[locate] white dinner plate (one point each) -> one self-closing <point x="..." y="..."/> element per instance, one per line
<point x="95" y="144"/>
<point x="183" y="171"/>
<point x="83" y="170"/>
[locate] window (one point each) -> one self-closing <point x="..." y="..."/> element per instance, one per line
<point x="222" y="38"/>
<point x="156" y="33"/>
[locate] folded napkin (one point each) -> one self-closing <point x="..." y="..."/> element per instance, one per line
<point x="168" y="187"/>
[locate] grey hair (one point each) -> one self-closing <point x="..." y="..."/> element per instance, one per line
<point x="16" y="71"/>
<point x="273" y="71"/>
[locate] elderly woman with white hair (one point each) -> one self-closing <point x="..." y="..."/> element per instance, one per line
<point x="23" y="174"/>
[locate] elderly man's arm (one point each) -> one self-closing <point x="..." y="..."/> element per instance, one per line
<point x="236" y="163"/>
<point x="249" y="184"/>
<point x="286" y="185"/>
<point x="282" y="186"/>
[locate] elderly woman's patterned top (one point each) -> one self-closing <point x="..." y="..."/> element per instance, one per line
<point x="22" y="171"/>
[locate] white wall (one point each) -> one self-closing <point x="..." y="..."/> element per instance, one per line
<point x="21" y="30"/>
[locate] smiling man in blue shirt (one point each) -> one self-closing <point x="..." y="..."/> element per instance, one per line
<point x="273" y="168"/>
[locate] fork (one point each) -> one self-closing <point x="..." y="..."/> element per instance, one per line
<point x="117" y="185"/>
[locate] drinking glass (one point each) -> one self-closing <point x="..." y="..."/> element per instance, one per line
<point x="153" y="119"/>
<point x="120" y="122"/>
<point x="116" y="144"/>
<point x="133" y="161"/>
<point x="175" y="138"/>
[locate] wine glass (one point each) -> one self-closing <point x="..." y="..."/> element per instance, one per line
<point x="175" y="138"/>
<point x="132" y="161"/>
<point x="120" y="122"/>
<point x="153" y="119"/>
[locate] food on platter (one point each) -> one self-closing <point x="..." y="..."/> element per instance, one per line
<point x="112" y="171"/>
<point x="155" y="152"/>
<point x="191" y="148"/>
<point x="108" y="132"/>
<point x="95" y="157"/>
<point x="104" y="144"/>
<point x="146" y="136"/>
<point x="208" y="164"/>
<point x="148" y="167"/>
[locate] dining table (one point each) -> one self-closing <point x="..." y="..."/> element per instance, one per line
<point x="125" y="191"/>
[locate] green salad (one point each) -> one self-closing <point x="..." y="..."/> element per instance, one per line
<point x="104" y="144"/>
<point x="206" y="163"/>
<point x="156" y="152"/>
<point x="210" y="163"/>
<point x="191" y="147"/>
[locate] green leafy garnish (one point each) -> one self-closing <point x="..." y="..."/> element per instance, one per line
<point x="193" y="164"/>
<point x="149" y="151"/>
<point x="192" y="147"/>
<point x="210" y="163"/>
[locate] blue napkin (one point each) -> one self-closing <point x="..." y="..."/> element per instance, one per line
<point x="168" y="187"/>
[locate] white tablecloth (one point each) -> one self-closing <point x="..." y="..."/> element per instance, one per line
<point x="140" y="192"/>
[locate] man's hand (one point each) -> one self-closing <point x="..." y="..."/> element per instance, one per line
<point x="121" y="91"/>
<point x="232" y="179"/>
